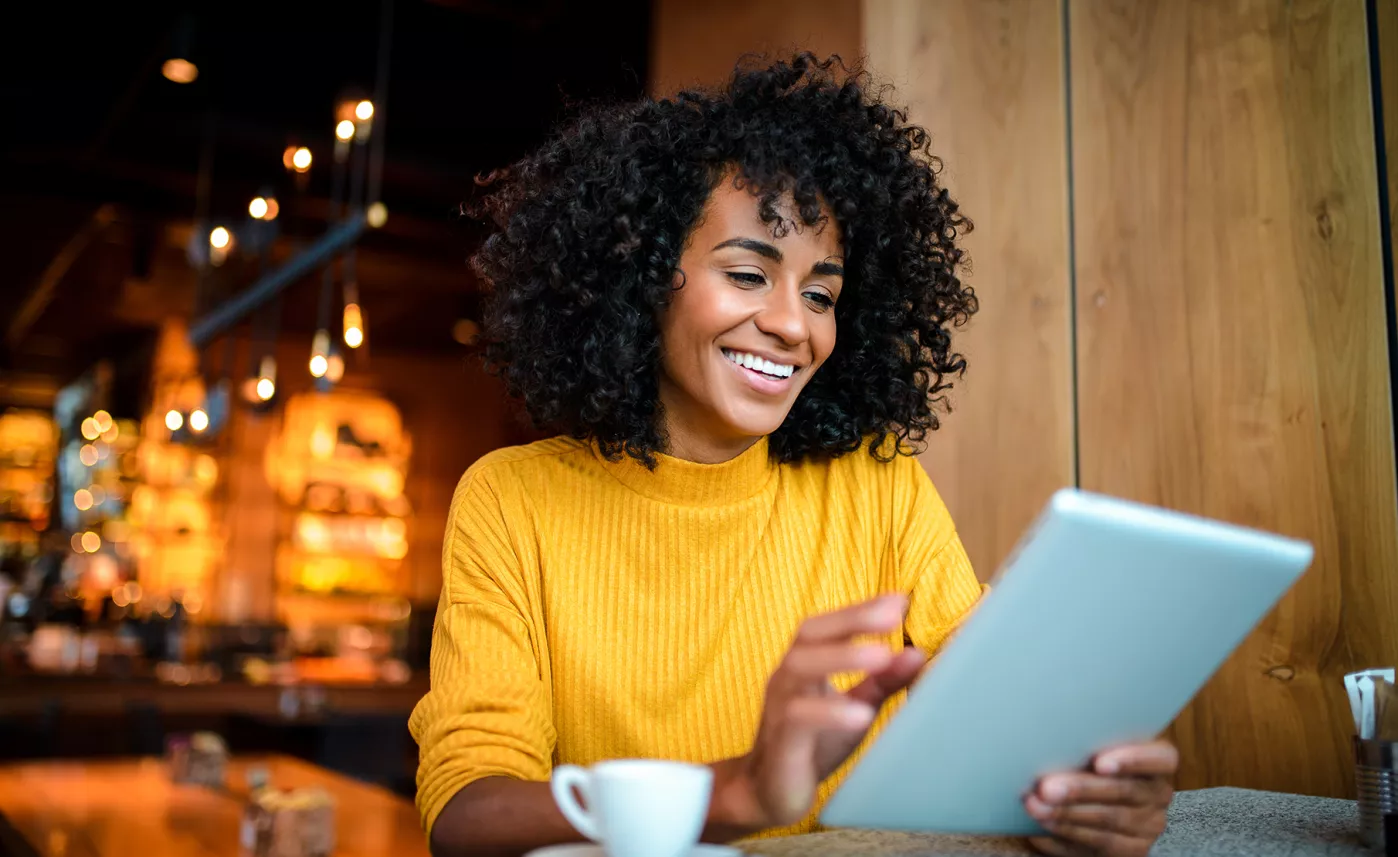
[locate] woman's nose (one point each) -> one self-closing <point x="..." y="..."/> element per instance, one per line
<point x="783" y="316"/>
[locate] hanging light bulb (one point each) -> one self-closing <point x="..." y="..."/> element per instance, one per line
<point x="301" y="159"/>
<point x="90" y="429"/>
<point x="376" y="214"/>
<point x="266" y="386"/>
<point x="364" y="110"/>
<point x="354" y="325"/>
<point x="320" y="352"/>
<point x="198" y="420"/>
<point x="258" y="208"/>
<point x="344" y="130"/>
<point x="173" y="420"/>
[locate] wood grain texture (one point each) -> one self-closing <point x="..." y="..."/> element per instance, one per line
<point x="986" y="80"/>
<point x="1232" y="348"/>
<point x="699" y="43"/>
<point x="1387" y="40"/>
<point x="131" y="809"/>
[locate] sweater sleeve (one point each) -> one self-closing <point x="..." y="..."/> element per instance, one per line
<point x="942" y="587"/>
<point x="488" y="712"/>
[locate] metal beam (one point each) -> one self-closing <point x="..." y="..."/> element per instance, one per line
<point x="47" y="285"/>
<point x="231" y="311"/>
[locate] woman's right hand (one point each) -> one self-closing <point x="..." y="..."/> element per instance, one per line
<point x="808" y="728"/>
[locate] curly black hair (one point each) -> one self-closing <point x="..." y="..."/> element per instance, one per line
<point x="588" y="231"/>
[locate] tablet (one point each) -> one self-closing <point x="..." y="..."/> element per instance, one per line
<point x="1102" y="624"/>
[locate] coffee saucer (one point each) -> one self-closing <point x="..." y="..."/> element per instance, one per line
<point x="592" y="849"/>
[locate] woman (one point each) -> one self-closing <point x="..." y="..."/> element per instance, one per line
<point x="738" y="308"/>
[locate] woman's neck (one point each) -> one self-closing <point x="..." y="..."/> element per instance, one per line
<point x="702" y="447"/>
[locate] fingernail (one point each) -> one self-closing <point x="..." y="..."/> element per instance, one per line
<point x="871" y="657"/>
<point x="1036" y="807"/>
<point x="1109" y="765"/>
<point x="857" y="715"/>
<point x="1054" y="791"/>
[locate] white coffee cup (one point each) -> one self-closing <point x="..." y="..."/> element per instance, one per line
<point x="637" y="807"/>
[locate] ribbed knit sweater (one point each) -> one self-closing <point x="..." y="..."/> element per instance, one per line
<point x="594" y="610"/>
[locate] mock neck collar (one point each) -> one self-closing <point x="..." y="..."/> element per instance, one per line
<point x="688" y="483"/>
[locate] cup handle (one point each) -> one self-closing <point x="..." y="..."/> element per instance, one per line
<point x="565" y="779"/>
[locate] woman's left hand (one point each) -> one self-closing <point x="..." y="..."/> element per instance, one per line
<point x="1116" y="809"/>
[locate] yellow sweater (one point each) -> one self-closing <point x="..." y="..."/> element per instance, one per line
<point x="594" y="610"/>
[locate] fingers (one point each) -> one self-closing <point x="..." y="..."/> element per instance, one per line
<point x="822" y="713"/>
<point x="1151" y="759"/>
<point x="878" y="616"/>
<point x="1059" y="789"/>
<point x="1129" y="820"/>
<point x="1075" y="841"/>
<point x="1092" y="844"/>
<point x="819" y="661"/>
<point x="900" y="672"/>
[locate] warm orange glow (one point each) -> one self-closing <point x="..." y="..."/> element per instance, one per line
<point x="193" y="603"/>
<point x="257" y="208"/>
<point x="77" y="542"/>
<point x="354" y="326"/>
<point x="112" y="433"/>
<point x="334" y="368"/>
<point x="173" y="420"/>
<point x="272" y="209"/>
<point x="103" y="420"/>
<point x="90" y="429"/>
<point x="198" y="420"/>
<point x="376" y="215"/>
<point x="265" y="388"/>
<point x="88" y="454"/>
<point x="177" y="70"/>
<point x="220" y="238"/>
<point x="344" y="130"/>
<point x="318" y="366"/>
<point x="364" y="110"/>
<point x="301" y="159"/>
<point x="82" y="498"/>
<point x="92" y="542"/>
<point x="99" y="495"/>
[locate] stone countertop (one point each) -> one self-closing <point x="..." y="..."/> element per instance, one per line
<point x="1202" y="823"/>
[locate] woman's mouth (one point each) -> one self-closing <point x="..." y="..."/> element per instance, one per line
<point x="761" y="374"/>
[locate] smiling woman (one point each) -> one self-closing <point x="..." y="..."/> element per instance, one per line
<point x="751" y="321"/>
<point x="795" y="163"/>
<point x="718" y="300"/>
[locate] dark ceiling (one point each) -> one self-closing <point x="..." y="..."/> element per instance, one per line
<point x="100" y="159"/>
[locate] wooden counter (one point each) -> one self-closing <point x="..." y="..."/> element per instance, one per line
<point x="130" y="808"/>
<point x="112" y="696"/>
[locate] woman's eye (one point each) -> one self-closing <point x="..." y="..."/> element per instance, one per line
<point x="746" y="279"/>
<point x="821" y="300"/>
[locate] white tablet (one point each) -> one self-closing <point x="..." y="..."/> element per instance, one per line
<point x="1102" y="624"/>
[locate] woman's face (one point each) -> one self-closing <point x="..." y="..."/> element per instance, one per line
<point x="751" y="323"/>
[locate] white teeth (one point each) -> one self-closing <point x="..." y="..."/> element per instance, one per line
<point x="759" y="364"/>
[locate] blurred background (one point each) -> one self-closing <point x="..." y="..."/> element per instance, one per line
<point x="239" y="383"/>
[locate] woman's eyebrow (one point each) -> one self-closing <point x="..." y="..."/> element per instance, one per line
<point x="761" y="248"/>
<point x="769" y="251"/>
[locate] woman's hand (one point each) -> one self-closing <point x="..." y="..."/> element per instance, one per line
<point x="1116" y="809"/>
<point x="807" y="727"/>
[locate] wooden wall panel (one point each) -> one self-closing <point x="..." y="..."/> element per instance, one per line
<point x="1232" y="348"/>
<point x="700" y="42"/>
<point x="1386" y="37"/>
<point x="986" y="80"/>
